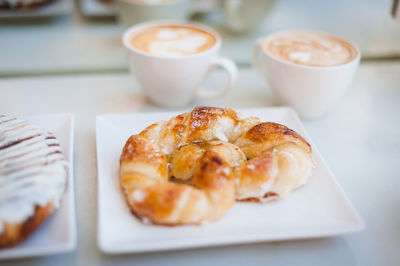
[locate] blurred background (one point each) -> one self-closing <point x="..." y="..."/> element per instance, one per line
<point x="84" y="36"/>
<point x="47" y="51"/>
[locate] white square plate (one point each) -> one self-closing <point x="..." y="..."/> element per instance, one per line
<point x="318" y="209"/>
<point x="57" y="8"/>
<point x="58" y="233"/>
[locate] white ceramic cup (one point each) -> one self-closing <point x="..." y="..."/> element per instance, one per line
<point x="133" y="12"/>
<point x="175" y="81"/>
<point x="310" y="90"/>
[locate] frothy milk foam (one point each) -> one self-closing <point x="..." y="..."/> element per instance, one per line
<point x="173" y="40"/>
<point x="310" y="48"/>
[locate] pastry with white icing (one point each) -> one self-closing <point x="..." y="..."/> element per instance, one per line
<point x="33" y="178"/>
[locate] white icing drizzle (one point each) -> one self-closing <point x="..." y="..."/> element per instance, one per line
<point x="32" y="170"/>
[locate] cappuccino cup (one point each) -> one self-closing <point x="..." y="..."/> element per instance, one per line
<point x="307" y="70"/>
<point x="171" y="61"/>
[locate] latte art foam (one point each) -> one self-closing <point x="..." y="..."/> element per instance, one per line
<point x="310" y="48"/>
<point x="173" y="40"/>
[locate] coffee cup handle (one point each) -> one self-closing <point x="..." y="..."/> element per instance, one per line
<point x="257" y="53"/>
<point x="230" y="69"/>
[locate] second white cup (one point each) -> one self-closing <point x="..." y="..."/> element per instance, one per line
<point x="310" y="90"/>
<point x="175" y="80"/>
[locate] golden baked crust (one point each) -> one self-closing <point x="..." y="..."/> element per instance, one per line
<point x="217" y="157"/>
<point x="150" y="195"/>
<point x="269" y="131"/>
<point x="16" y="233"/>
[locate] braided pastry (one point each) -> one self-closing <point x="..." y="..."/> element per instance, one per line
<point x="214" y="157"/>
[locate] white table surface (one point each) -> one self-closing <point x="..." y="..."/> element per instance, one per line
<point x="359" y="140"/>
<point x="73" y="44"/>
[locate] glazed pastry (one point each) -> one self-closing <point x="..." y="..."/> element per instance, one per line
<point x="265" y="161"/>
<point x="33" y="177"/>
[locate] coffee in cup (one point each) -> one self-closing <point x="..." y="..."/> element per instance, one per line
<point x="310" y="48"/>
<point x="307" y="70"/>
<point x="173" y="40"/>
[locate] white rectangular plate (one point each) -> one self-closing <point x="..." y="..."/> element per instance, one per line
<point x="318" y="209"/>
<point x="59" y="7"/>
<point x="58" y="233"/>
